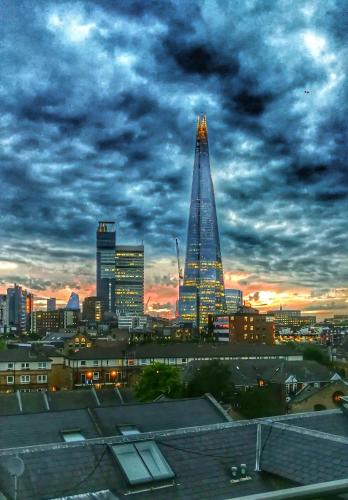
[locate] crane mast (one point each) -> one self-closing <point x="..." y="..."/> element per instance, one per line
<point x="180" y="273"/>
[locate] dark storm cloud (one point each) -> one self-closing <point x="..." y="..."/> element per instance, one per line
<point x="98" y="119"/>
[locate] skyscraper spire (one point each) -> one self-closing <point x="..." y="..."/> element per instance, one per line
<point x="203" y="290"/>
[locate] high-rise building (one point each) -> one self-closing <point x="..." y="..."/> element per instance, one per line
<point x="3" y="312"/>
<point x="92" y="309"/>
<point x="51" y="304"/>
<point x="291" y="318"/>
<point x="106" y="242"/>
<point x="203" y="266"/>
<point x="16" y="308"/>
<point x="234" y="300"/>
<point x="129" y="271"/>
<point x="73" y="302"/>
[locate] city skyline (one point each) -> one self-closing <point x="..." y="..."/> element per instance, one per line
<point x="97" y="107"/>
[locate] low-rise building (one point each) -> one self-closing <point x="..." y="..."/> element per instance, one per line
<point x="247" y="326"/>
<point x="24" y="370"/>
<point x="46" y="321"/>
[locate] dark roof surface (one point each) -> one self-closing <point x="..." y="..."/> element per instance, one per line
<point x="183" y="349"/>
<point x="292" y="452"/>
<point x="160" y="415"/>
<point x="247" y="372"/>
<point x="22" y="354"/>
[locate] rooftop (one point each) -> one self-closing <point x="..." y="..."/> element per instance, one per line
<point x="292" y="452"/>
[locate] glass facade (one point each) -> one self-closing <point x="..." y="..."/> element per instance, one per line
<point x="203" y="266"/>
<point x="129" y="272"/>
<point x="234" y="299"/>
<point x="106" y="242"/>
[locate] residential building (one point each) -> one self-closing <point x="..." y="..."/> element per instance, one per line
<point x="129" y="272"/>
<point x="106" y="242"/>
<point x="92" y="309"/>
<point x="24" y="370"/>
<point x="234" y="300"/>
<point x="203" y="266"/>
<point x="51" y="304"/>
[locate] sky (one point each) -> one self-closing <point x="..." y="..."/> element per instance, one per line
<point x="98" y="105"/>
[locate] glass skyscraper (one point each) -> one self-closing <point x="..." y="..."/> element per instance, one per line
<point x="129" y="271"/>
<point x="106" y="242"/>
<point x="203" y="266"/>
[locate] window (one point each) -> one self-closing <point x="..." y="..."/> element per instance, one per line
<point x="183" y="360"/>
<point x="142" y="462"/>
<point x="25" y="379"/>
<point x="10" y="366"/>
<point x="128" y="430"/>
<point x="10" y="379"/>
<point x="172" y="361"/>
<point x="143" y="361"/>
<point x="72" y="435"/>
<point x="95" y="362"/>
<point x="25" y="366"/>
<point x="42" y="365"/>
<point x="41" y="379"/>
<point x="95" y="375"/>
<point x="83" y="363"/>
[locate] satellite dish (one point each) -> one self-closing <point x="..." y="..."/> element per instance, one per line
<point x="15" y="466"/>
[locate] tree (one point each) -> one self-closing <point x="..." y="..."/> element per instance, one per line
<point x="213" y="377"/>
<point x="2" y="345"/>
<point x="159" y="379"/>
<point x="260" y="402"/>
<point x="314" y="353"/>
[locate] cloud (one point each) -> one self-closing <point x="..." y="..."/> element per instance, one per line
<point x="98" y="104"/>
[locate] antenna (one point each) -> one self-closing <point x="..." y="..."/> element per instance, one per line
<point x="15" y="467"/>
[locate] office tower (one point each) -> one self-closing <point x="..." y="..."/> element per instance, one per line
<point x="129" y="271"/>
<point x="106" y="242"/>
<point x="203" y="266"/>
<point x="234" y="300"/>
<point x="16" y="308"/>
<point x="73" y="302"/>
<point x="92" y="309"/>
<point x="51" y="304"/>
<point x="3" y="312"/>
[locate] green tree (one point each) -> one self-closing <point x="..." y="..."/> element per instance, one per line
<point x="213" y="377"/>
<point x="159" y="379"/>
<point x="314" y="353"/>
<point x="260" y="402"/>
<point x="2" y="345"/>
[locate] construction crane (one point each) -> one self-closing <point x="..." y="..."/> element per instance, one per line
<point x="180" y="273"/>
<point x="147" y="305"/>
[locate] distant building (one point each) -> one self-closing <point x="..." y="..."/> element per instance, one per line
<point x="129" y="272"/>
<point x="291" y="318"/>
<point x="16" y="308"/>
<point x="73" y="302"/>
<point x="243" y="327"/>
<point x="92" y="309"/>
<point x="234" y="300"/>
<point x="3" y="312"/>
<point x="188" y="305"/>
<point x="60" y="319"/>
<point x="51" y="304"/>
<point x="106" y="242"/>
<point x="203" y="265"/>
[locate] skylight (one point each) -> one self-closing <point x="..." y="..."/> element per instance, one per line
<point x="128" y="430"/>
<point x="142" y="462"/>
<point x="72" y="435"/>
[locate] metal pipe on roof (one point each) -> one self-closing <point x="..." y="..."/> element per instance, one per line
<point x="315" y="491"/>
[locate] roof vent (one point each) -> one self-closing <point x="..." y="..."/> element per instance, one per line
<point x="239" y="474"/>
